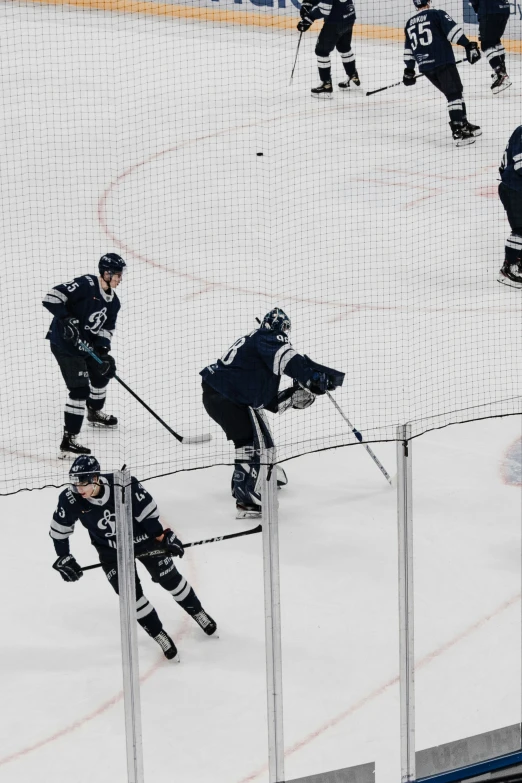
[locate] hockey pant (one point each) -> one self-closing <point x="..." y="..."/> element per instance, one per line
<point x="85" y="385"/>
<point x="512" y="203"/>
<point x="447" y="80"/>
<point x="335" y="36"/>
<point x="162" y="570"/>
<point x="491" y="30"/>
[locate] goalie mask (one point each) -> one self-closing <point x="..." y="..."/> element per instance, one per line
<point x="276" y="321"/>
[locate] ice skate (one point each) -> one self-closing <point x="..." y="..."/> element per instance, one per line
<point x="205" y="622"/>
<point x="325" y="90"/>
<point x="501" y="81"/>
<point x="167" y="645"/>
<point x="510" y="275"/>
<point x="100" y="419"/>
<point x="247" y="511"/>
<point x="351" y="81"/>
<point x="70" y="448"/>
<point x="475" y="130"/>
<point x="461" y="134"/>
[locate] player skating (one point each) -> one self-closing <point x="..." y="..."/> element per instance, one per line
<point x="339" y="17"/>
<point x="493" y="16"/>
<point x="90" y="500"/>
<point x="510" y="192"/>
<point x="429" y="36"/>
<point x="86" y="309"/>
<point x="245" y="381"/>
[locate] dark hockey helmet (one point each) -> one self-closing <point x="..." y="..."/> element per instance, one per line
<point x="84" y="469"/>
<point x="111" y="263"/>
<point x="276" y="321"/>
<point x="420" y="3"/>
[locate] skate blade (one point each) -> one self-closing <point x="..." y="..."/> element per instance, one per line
<point x="102" y="426"/>
<point x="465" y="142"/>
<point x="502" y="87"/>
<point x="509" y="283"/>
<point x="67" y="455"/>
<point x="240" y="514"/>
<point x="323" y="96"/>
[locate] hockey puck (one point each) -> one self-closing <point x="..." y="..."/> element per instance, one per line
<point x="259" y="154"/>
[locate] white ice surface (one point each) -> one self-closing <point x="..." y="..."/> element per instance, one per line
<point x="141" y="135"/>
<point x="361" y="218"/>
<point x="204" y="719"/>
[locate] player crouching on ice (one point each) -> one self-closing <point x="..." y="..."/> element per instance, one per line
<point x="90" y="499"/>
<point x="429" y="36"/>
<point x="245" y="381"/>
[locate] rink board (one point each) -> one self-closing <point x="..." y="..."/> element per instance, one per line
<point x="374" y="21"/>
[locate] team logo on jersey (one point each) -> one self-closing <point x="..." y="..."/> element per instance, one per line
<point x="96" y="321"/>
<point x="108" y="523"/>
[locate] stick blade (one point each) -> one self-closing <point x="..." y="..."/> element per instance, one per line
<point x="197" y="438"/>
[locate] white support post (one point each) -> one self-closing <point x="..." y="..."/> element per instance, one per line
<point x="129" y="641"/>
<point x="274" y="673"/>
<point x="406" y="620"/>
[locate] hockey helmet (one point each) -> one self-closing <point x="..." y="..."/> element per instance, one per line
<point x="276" y="321"/>
<point x="84" y="469"/>
<point x="111" y="263"/>
<point x="420" y="3"/>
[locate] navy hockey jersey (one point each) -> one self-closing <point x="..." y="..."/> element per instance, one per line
<point x="484" y="7"/>
<point x="95" y="309"/>
<point x="98" y="516"/>
<point x="334" y="11"/>
<point x="428" y="38"/>
<point x="250" y="371"/>
<point x="511" y="166"/>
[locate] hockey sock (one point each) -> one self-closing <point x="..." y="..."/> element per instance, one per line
<point x="513" y="248"/>
<point x="147" y="617"/>
<point x="73" y="415"/>
<point x="457" y="110"/>
<point x="495" y="56"/>
<point x="97" y="397"/>
<point x="348" y="59"/>
<point x="184" y="595"/>
<point x="325" y="70"/>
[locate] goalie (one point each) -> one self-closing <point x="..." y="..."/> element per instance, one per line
<point x="240" y="386"/>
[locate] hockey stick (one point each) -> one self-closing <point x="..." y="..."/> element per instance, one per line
<point x="295" y="61"/>
<point x="182" y="438"/>
<point x="372" y="92"/>
<point x="359" y="438"/>
<point x="157" y="552"/>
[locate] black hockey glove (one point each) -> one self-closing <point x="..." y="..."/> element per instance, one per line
<point x="71" y="329"/>
<point x="472" y="53"/>
<point x="108" y="366"/>
<point x="304" y="24"/>
<point x="306" y="10"/>
<point x="318" y="384"/>
<point x="172" y="543"/>
<point x="408" y="77"/>
<point x="68" y="568"/>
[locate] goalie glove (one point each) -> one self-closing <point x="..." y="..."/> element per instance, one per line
<point x="294" y="397"/>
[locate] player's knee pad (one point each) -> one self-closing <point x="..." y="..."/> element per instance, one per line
<point x="79" y="393"/>
<point x="322" y="51"/>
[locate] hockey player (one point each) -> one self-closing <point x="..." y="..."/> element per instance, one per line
<point x="85" y="309"/>
<point x="90" y="500"/>
<point x="510" y="192"/>
<point x="429" y="36"/>
<point x="493" y="16"/>
<point x="245" y="381"/>
<point x="339" y="17"/>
